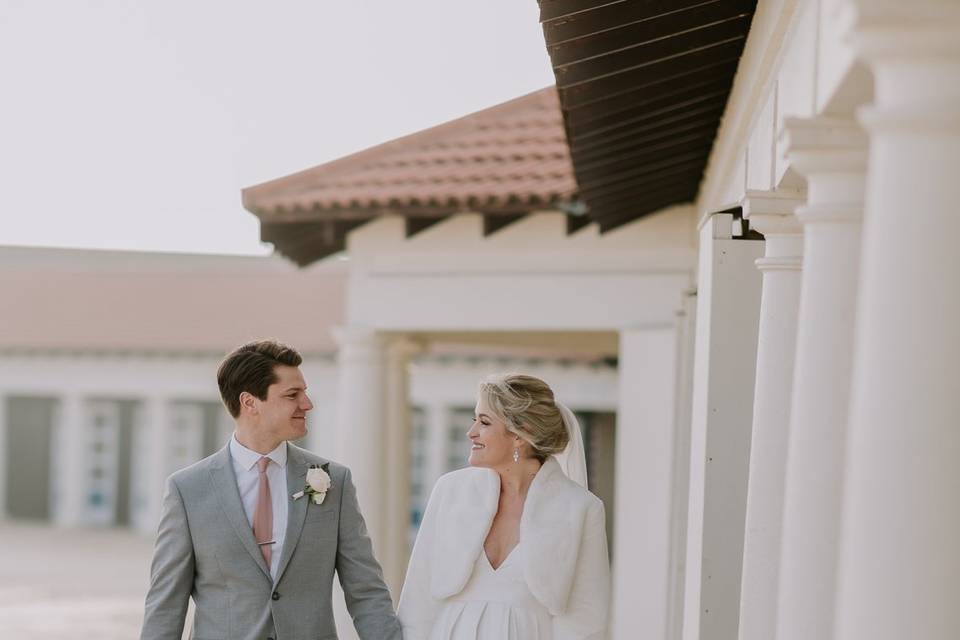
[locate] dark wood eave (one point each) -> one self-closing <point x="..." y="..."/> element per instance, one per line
<point x="305" y="236"/>
<point x="642" y="87"/>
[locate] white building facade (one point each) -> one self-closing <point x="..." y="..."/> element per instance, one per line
<point x="90" y="429"/>
<point x="786" y="407"/>
<point x="787" y="436"/>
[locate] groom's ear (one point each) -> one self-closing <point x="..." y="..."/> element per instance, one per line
<point x="248" y="404"/>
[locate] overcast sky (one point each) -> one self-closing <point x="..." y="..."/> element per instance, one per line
<point x="134" y="125"/>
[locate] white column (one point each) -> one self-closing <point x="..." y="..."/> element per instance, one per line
<point x="686" y="333"/>
<point x="770" y="213"/>
<point x="360" y="424"/>
<point x="644" y="482"/>
<point x="899" y="552"/>
<point x="831" y="153"/>
<point x="70" y="468"/>
<point x="156" y="429"/>
<point x="728" y="304"/>
<point x="397" y="490"/>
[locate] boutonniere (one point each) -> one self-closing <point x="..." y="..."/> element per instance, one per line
<point x="318" y="483"/>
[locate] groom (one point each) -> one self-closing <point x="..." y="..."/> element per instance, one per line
<point x="239" y="535"/>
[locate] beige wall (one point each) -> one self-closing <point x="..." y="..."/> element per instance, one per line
<point x="119" y="300"/>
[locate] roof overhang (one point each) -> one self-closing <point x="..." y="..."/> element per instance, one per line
<point x="503" y="162"/>
<point x="642" y="87"/>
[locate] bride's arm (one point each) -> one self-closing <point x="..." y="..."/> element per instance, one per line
<point x="585" y="617"/>
<point x="418" y="609"/>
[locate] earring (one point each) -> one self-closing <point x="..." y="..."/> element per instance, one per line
<point x="516" y="455"/>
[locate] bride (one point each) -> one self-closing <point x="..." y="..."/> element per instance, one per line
<point x="512" y="547"/>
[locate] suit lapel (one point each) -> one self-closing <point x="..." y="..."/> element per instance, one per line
<point x="296" y="509"/>
<point x="225" y="482"/>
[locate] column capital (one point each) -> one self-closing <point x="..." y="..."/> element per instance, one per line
<point x="780" y="263"/>
<point x="825" y="144"/>
<point x="355" y="342"/>
<point x="771" y="212"/>
<point x="350" y="335"/>
<point x="775" y="224"/>
<point x="403" y="347"/>
<point x="913" y="49"/>
<point x="920" y="29"/>
<point x="830" y="214"/>
<point x="831" y="152"/>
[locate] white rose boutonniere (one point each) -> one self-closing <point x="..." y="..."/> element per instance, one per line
<point x="318" y="483"/>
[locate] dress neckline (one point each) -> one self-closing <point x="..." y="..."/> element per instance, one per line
<point x="483" y="552"/>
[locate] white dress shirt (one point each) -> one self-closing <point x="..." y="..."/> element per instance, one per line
<point x="248" y="482"/>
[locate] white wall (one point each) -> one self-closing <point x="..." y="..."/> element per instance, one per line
<point x="528" y="276"/>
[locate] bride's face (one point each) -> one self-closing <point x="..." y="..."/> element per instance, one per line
<point x="491" y="444"/>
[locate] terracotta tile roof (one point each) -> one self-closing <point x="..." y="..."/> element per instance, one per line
<point x="511" y="158"/>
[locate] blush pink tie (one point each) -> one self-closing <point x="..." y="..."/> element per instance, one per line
<point x="263" y="515"/>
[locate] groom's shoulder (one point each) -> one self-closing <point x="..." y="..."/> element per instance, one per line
<point x="198" y="469"/>
<point x="312" y="459"/>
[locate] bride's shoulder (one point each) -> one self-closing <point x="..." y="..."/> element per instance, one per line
<point x="573" y="492"/>
<point x="467" y="477"/>
<point x="558" y="487"/>
<point x="471" y="484"/>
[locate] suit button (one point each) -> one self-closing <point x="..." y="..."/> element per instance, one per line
<point x="269" y="638"/>
<point x="275" y="596"/>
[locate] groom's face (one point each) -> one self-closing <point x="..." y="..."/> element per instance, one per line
<point x="283" y="414"/>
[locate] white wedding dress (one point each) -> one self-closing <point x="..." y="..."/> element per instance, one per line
<point x="555" y="583"/>
<point x="495" y="604"/>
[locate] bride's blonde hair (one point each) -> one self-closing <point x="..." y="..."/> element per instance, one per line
<point x="527" y="406"/>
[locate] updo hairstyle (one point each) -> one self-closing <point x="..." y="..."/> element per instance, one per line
<point x="526" y="405"/>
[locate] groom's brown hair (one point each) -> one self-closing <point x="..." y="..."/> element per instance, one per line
<point x="250" y="368"/>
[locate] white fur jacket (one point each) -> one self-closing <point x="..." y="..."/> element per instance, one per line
<point x="566" y="564"/>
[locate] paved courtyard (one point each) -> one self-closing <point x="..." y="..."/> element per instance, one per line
<point x="75" y="584"/>
<point x="59" y="584"/>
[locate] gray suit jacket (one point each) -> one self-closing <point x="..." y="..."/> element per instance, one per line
<point x="205" y="549"/>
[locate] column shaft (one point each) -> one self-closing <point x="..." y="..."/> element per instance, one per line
<point x="397" y="548"/>
<point x="831" y="152"/>
<point x="899" y="555"/>
<point x="644" y="454"/>
<point x="70" y="471"/>
<point x="156" y="429"/>
<point x="360" y="425"/>
<point x="772" y="215"/>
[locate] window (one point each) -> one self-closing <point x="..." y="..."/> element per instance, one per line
<point x="418" y="466"/>
<point x="458" y="447"/>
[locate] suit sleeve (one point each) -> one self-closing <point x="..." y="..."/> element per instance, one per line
<point x="361" y="577"/>
<point x="418" y="609"/>
<point x="585" y="617"/>
<point x="171" y="572"/>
